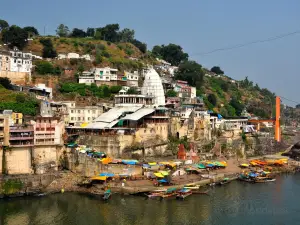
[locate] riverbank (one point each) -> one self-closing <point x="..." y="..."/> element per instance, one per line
<point x="67" y="181"/>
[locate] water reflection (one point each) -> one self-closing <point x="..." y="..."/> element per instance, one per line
<point x="236" y="203"/>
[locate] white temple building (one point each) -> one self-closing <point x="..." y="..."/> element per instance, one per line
<point x="134" y="106"/>
<point x="153" y="87"/>
<point x="152" y="93"/>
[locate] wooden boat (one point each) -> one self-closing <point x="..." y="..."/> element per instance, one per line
<point x="154" y="195"/>
<point x="107" y="195"/>
<point x="200" y="192"/>
<point x="168" y="195"/>
<point x="183" y="193"/>
<point x="265" y="180"/>
<point x="192" y="186"/>
<point x="225" y="181"/>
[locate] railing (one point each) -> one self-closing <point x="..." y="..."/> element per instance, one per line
<point x="21" y="138"/>
<point x="21" y="129"/>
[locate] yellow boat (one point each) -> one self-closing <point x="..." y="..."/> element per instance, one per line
<point x="244" y="165"/>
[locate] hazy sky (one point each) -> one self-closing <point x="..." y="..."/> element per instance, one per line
<point x="197" y="25"/>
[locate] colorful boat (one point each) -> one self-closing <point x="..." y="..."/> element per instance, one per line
<point x="183" y="193"/>
<point x="264" y="180"/>
<point x="171" y="192"/>
<point x="244" y="165"/>
<point x="107" y="195"/>
<point x="192" y="186"/>
<point x="226" y="180"/>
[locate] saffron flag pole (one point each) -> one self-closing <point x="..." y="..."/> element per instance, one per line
<point x="277" y="121"/>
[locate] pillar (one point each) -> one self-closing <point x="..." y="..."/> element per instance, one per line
<point x="277" y="121"/>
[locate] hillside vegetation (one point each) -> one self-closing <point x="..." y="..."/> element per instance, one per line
<point x="111" y="46"/>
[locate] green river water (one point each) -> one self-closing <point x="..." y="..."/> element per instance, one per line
<point x="236" y="203"/>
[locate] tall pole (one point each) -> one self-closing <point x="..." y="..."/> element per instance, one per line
<point x="277" y="121"/>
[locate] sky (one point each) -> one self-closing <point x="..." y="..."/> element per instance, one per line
<point x="198" y="26"/>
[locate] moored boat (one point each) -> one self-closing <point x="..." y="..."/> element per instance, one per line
<point x="192" y="186"/>
<point x="183" y="193"/>
<point x="107" y="195"/>
<point x="264" y="180"/>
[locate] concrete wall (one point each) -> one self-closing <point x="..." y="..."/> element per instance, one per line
<point x="46" y="158"/>
<point x="87" y="166"/>
<point x="16" y="77"/>
<point x="18" y="160"/>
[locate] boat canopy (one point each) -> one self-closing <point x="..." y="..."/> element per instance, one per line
<point x="159" y="175"/>
<point x="101" y="178"/>
<point x="107" y="174"/>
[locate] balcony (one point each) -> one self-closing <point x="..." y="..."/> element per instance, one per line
<point x="21" y="138"/>
<point x="21" y="143"/>
<point x="18" y="129"/>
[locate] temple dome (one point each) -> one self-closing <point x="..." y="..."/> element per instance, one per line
<point x="153" y="87"/>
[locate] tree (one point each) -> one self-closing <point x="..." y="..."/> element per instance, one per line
<point x="115" y="89"/>
<point x="108" y="33"/>
<point x="20" y="98"/>
<point x="80" y="69"/>
<point x="48" y="49"/>
<point x="237" y="105"/>
<point x="212" y="99"/>
<point x="217" y="70"/>
<point x="191" y="72"/>
<point x="44" y="67"/>
<point x="171" y="93"/>
<point x="31" y="31"/>
<point x="106" y="91"/>
<point x="171" y="53"/>
<point x="298" y="106"/>
<point x="140" y="45"/>
<point x="132" y="91"/>
<point x="15" y="36"/>
<point x="3" y="24"/>
<point x="5" y="82"/>
<point x="78" y="33"/>
<point x="224" y="85"/>
<point x="90" y="32"/>
<point x="126" y="35"/>
<point x="62" y="30"/>
<point x="156" y="51"/>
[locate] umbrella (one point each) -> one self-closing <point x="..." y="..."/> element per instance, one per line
<point x="102" y="178"/>
<point x="152" y="163"/>
<point x="210" y="165"/>
<point x="107" y="174"/>
<point x="201" y="166"/>
<point x="146" y="166"/>
<point x="159" y="175"/>
<point x="165" y="173"/>
<point x="163" y="181"/>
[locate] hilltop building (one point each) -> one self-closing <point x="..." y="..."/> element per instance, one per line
<point x="16" y="65"/>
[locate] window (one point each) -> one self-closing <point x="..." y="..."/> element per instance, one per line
<point x="78" y="118"/>
<point x="78" y="111"/>
<point x="72" y="111"/>
<point x="94" y="111"/>
<point x="15" y="60"/>
<point x="72" y="118"/>
<point x="107" y="78"/>
<point x="88" y="111"/>
<point x="89" y="118"/>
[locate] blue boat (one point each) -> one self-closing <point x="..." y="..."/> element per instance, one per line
<point x="106" y="195"/>
<point x="183" y="193"/>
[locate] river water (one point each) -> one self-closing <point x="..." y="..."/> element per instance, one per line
<point x="236" y="203"/>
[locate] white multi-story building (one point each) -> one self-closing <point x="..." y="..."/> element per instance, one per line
<point x="87" y="77"/>
<point x="78" y="115"/>
<point x="106" y="74"/>
<point x="20" y="61"/>
<point x="132" y="79"/>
